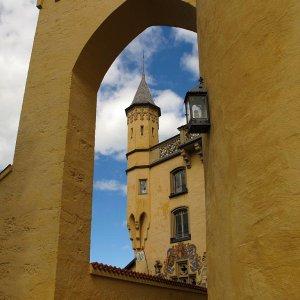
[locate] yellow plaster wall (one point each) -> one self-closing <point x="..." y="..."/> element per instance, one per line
<point x="132" y="290"/>
<point x="46" y="200"/>
<point x="162" y="206"/>
<point x="137" y="203"/>
<point x="148" y="118"/>
<point x="250" y="61"/>
<point x="158" y="241"/>
<point x="138" y="158"/>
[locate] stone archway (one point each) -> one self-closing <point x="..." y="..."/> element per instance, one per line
<point x="250" y="62"/>
<point x="74" y="46"/>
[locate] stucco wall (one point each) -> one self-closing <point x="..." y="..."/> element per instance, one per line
<point x="46" y="200"/>
<point x="250" y="61"/>
<point x="158" y="241"/>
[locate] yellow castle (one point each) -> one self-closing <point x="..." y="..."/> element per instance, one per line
<point x="165" y="196"/>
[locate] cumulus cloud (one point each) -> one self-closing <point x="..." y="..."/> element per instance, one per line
<point x="189" y="61"/>
<point x="149" y="42"/>
<point x="119" y="87"/>
<point x="17" y="25"/>
<point x="110" y="185"/>
<point x="171" y="110"/>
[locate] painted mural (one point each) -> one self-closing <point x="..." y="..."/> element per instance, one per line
<point x="180" y="252"/>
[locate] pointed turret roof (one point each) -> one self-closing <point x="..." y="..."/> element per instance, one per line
<point x="143" y="96"/>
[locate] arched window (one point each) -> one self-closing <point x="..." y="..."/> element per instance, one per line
<point x="180" y="225"/>
<point x="178" y="182"/>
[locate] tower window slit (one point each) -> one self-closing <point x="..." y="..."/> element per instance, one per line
<point x="142" y="130"/>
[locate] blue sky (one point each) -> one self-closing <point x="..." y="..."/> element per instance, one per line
<point x="171" y="69"/>
<point x="171" y="64"/>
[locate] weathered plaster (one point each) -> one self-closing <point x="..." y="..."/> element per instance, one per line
<point x="250" y="61"/>
<point x="46" y="200"/>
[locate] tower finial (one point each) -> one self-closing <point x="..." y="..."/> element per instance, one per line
<point x="143" y="72"/>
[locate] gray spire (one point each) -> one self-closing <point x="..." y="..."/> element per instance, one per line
<point x="143" y="95"/>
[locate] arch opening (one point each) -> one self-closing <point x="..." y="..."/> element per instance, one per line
<point x="120" y="28"/>
<point x="168" y="80"/>
<point x="101" y="49"/>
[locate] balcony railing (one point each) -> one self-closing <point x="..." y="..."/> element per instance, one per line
<point x="171" y="146"/>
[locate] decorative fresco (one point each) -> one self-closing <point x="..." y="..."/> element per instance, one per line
<point x="182" y="251"/>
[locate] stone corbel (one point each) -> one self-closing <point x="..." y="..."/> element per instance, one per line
<point x="137" y="229"/>
<point x="186" y="158"/>
<point x="198" y="149"/>
<point x="145" y="236"/>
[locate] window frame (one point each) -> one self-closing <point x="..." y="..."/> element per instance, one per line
<point x="186" y="234"/>
<point x="173" y="173"/>
<point x="146" y="185"/>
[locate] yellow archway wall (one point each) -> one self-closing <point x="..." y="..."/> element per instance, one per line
<point x="46" y="199"/>
<point x="250" y="61"/>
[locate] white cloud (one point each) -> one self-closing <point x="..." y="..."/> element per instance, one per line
<point x="171" y="110"/>
<point x="117" y="92"/>
<point x="110" y="185"/>
<point x="17" y="25"/>
<point x="189" y="61"/>
<point x="168" y="101"/>
<point x="149" y="42"/>
<point x="111" y="132"/>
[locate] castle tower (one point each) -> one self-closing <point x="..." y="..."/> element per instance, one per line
<point x="165" y="196"/>
<point x="142" y="119"/>
<point x="143" y="123"/>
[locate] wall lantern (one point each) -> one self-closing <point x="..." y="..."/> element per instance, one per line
<point x="197" y="112"/>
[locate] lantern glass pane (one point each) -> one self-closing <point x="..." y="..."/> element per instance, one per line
<point x="198" y="107"/>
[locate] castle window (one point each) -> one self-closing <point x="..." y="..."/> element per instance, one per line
<point x="143" y="186"/>
<point x="131" y="135"/>
<point x="180" y="225"/>
<point x="178" y="182"/>
<point x="142" y="130"/>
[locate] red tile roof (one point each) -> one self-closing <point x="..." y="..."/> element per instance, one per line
<point x="143" y="276"/>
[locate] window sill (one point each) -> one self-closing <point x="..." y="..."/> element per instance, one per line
<point x="176" y="240"/>
<point x="172" y="195"/>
